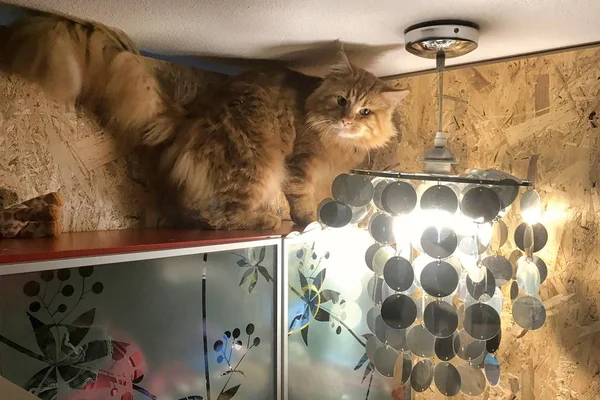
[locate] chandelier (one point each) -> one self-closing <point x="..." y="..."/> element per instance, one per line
<point x="437" y="272"/>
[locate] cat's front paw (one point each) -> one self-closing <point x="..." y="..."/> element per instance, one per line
<point x="265" y="222"/>
<point x="268" y="221"/>
<point x="304" y="219"/>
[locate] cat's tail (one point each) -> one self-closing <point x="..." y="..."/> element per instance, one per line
<point x="96" y="66"/>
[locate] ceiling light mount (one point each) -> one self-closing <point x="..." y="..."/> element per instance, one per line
<point x="453" y="38"/>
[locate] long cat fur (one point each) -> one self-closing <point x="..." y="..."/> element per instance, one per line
<point x="260" y="132"/>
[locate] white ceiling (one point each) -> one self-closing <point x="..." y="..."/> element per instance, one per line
<point x="272" y="29"/>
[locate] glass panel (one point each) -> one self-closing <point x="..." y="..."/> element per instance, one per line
<point x="138" y="330"/>
<point x="328" y="304"/>
<point x="241" y="323"/>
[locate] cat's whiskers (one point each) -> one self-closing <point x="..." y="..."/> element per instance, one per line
<point x="315" y="124"/>
<point x="367" y="148"/>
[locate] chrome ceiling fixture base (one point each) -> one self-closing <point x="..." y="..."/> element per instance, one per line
<point x="452" y="37"/>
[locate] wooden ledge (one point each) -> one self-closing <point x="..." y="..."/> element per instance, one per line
<point x="86" y="244"/>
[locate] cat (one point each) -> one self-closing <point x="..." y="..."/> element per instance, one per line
<point x="351" y="113"/>
<point x="260" y="131"/>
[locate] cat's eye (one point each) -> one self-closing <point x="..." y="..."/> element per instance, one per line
<point x="342" y="102"/>
<point x="365" y="111"/>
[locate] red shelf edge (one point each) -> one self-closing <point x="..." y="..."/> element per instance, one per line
<point x="90" y="244"/>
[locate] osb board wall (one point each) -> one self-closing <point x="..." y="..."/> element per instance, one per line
<point x="47" y="147"/>
<point x="497" y="116"/>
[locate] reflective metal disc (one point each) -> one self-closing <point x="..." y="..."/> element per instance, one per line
<point x="380" y="327"/>
<point x="439" y="243"/>
<point x="493" y="344"/>
<point x="373" y="344"/>
<point x="478" y="362"/>
<point x="396" y="338"/>
<point x="471" y="246"/>
<point x="466" y="190"/>
<point x="540" y="237"/>
<point x="381" y="258"/>
<point x="379" y="184"/>
<point x="439" y="279"/>
<point x="472" y="380"/>
<point x="419" y="265"/>
<point x="528" y="276"/>
<point x="447" y="379"/>
<point x="514" y="291"/>
<point x="399" y="198"/>
<point x="529" y="313"/>
<point x="370" y="254"/>
<point x="334" y="214"/>
<point x="507" y="192"/>
<point x="466" y="347"/>
<point x="492" y="369"/>
<point x="476" y="173"/>
<point x="486" y="286"/>
<point x="386" y="291"/>
<point x="398" y="273"/>
<point x="474" y="270"/>
<point x="375" y="289"/>
<point x="539" y="263"/>
<point x="372" y="315"/>
<point x="501" y="269"/>
<point x="399" y="311"/>
<point x="359" y="213"/>
<point x="421" y="304"/>
<point x="514" y="257"/>
<point x="381" y="228"/>
<point x="498" y="175"/>
<point x="439" y="197"/>
<point x="480" y="204"/>
<point x="385" y="361"/>
<point x="420" y="341"/>
<point x="354" y="190"/>
<point x="497" y="301"/>
<point x="403" y="368"/>
<point x="444" y="348"/>
<point x="482" y="321"/>
<point x="530" y="200"/>
<point x="422" y="375"/>
<point x="542" y="268"/>
<point x="440" y="319"/>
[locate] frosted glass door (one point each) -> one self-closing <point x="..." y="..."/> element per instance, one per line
<point x="191" y="327"/>
<point x="327" y="307"/>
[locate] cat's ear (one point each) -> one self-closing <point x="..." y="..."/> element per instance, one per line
<point x="395" y="96"/>
<point x="342" y="64"/>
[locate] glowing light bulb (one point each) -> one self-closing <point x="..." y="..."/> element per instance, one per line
<point x="531" y="216"/>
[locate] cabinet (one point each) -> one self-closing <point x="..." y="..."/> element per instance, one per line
<point x="169" y="317"/>
<point x="132" y="315"/>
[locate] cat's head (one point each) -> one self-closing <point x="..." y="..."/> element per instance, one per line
<point x="353" y="107"/>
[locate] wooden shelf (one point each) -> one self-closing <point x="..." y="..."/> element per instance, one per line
<point x="85" y="244"/>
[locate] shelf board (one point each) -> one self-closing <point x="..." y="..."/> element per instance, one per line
<point x="86" y="244"/>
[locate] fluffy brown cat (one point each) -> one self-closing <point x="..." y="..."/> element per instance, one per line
<point x="350" y="113"/>
<point x="261" y="131"/>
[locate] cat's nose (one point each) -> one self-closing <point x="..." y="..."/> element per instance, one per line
<point x="346" y="122"/>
